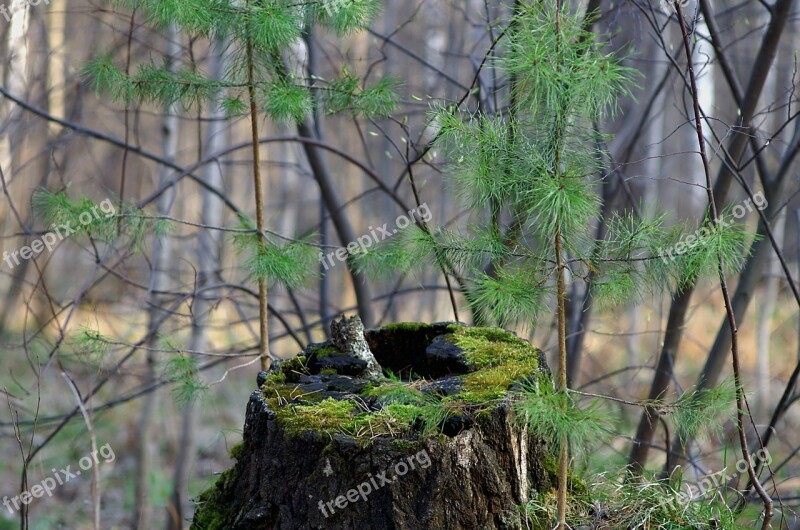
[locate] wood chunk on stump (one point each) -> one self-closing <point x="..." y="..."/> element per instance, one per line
<point x="347" y="334"/>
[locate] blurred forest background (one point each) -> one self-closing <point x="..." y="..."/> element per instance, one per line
<point x="91" y="333"/>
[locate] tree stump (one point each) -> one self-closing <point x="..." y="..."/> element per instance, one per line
<point x="433" y="446"/>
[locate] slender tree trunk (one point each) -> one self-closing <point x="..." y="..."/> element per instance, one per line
<point x="263" y="314"/>
<point x="748" y="279"/>
<point x="159" y="281"/>
<point x="209" y="247"/>
<point x="742" y="408"/>
<point x="318" y="162"/>
<point x="563" y="460"/>
<point x="325" y="315"/>
<point x="765" y="315"/>
<point x="56" y="68"/>
<point x="15" y="79"/>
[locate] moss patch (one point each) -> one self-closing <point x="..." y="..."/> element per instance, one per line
<point x="214" y="504"/>
<point x="396" y="392"/>
<point x="331" y="416"/>
<point x="323" y="351"/>
<point x="328" y="416"/>
<point x="487" y="347"/>
<point x="410" y="327"/>
<point x="293" y="368"/>
<point x="236" y="450"/>
<point x="498" y="357"/>
<point x="492" y="383"/>
<point x="278" y="391"/>
<point x="406" y="446"/>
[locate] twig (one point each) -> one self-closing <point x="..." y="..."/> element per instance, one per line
<point x="741" y="400"/>
<point x="93" y="437"/>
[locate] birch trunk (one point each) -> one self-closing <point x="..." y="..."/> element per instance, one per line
<point x="159" y="281"/>
<point x="209" y="247"/>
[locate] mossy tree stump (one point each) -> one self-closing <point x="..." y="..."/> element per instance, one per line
<point x="434" y="445"/>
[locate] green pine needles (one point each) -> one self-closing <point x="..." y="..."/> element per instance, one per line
<point x="292" y="264"/>
<point x="270" y="27"/>
<point x="557" y="418"/>
<point x="102" y="222"/>
<point x="183" y="371"/>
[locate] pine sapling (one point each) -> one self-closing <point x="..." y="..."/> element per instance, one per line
<point x="532" y="164"/>
<point x="256" y="85"/>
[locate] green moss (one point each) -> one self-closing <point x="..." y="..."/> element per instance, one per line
<point x="236" y="450"/>
<point x="276" y="378"/>
<point x="404" y="403"/>
<point x="323" y="351"/>
<point x="401" y="412"/>
<point x="393" y="419"/>
<point x="214" y="504"/>
<point x="405" y="445"/>
<point x="328" y="416"/>
<point x="275" y="387"/>
<point x="278" y="392"/>
<point x="485" y="347"/>
<point x="575" y="484"/>
<point x="410" y="327"/>
<point x="500" y="359"/>
<point x="343" y="417"/>
<point x="395" y="392"/>
<point x="550" y="465"/>
<point x="420" y="328"/>
<point x="328" y="371"/>
<point x="293" y="368"/>
<point x="492" y="383"/>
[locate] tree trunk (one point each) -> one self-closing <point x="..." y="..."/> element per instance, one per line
<point x="209" y="246"/>
<point x="159" y="281"/>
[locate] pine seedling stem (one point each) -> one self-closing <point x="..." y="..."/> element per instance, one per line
<point x="561" y="294"/>
<point x="563" y="461"/>
<point x="263" y="315"/>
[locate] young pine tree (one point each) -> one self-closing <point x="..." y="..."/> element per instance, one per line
<point x="258" y="84"/>
<point x="533" y="165"/>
